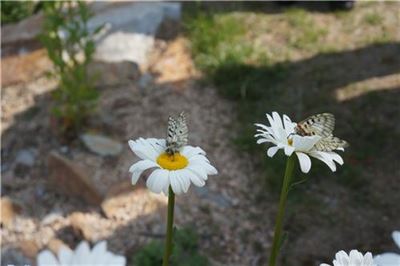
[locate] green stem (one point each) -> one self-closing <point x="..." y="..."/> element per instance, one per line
<point x="170" y="223"/>
<point x="281" y="211"/>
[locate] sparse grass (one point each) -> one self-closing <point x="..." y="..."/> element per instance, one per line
<point x="373" y="18"/>
<point x="306" y="34"/>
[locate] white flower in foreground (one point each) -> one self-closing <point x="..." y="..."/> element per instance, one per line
<point x="282" y="135"/>
<point x="178" y="170"/>
<point x="389" y="258"/>
<point x="82" y="255"/>
<point x="355" y="258"/>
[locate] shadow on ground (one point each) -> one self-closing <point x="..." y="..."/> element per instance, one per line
<point x="357" y="206"/>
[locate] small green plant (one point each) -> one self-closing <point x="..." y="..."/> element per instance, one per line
<point x="185" y="251"/>
<point x="14" y="11"/>
<point x="70" y="46"/>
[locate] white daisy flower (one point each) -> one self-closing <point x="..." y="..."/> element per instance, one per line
<point x="283" y="136"/>
<point x="389" y="258"/>
<point x="177" y="170"/>
<point x="82" y="255"/>
<point x="355" y="258"/>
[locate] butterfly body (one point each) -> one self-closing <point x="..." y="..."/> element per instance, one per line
<point x="321" y="125"/>
<point x="177" y="135"/>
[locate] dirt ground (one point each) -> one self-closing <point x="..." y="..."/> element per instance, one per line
<point x="235" y="224"/>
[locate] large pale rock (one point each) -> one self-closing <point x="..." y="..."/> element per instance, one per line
<point x="70" y="179"/>
<point x="130" y="29"/>
<point x="122" y="46"/>
<point x="124" y="201"/>
<point x="9" y="210"/>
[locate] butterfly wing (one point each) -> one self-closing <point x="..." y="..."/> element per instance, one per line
<point x="321" y="125"/>
<point x="330" y="143"/>
<point x="177" y="135"/>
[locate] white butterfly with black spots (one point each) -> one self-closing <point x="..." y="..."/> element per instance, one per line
<point x="321" y="125"/>
<point x="177" y="134"/>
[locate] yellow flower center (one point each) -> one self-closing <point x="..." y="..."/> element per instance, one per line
<point x="290" y="142"/>
<point x="172" y="162"/>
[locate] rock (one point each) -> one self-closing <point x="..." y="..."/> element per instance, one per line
<point x="108" y="74"/>
<point x="114" y="201"/>
<point x="124" y="201"/>
<point x="26" y="157"/>
<point x="51" y="218"/>
<point x="71" y="180"/>
<point x="217" y="199"/>
<point x="101" y="145"/>
<point x="120" y="46"/>
<point x="9" y="210"/>
<point x="25" y="67"/>
<point x="11" y="256"/>
<point x="139" y="17"/>
<point x="4" y="167"/>
<point x="55" y="245"/>
<point x="130" y="29"/>
<point x="22" y="31"/>
<point x="175" y="64"/>
<point x="145" y="81"/>
<point x="29" y="248"/>
<point x="87" y="226"/>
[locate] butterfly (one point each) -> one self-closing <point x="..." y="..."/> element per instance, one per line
<point x="321" y="125"/>
<point x="177" y="134"/>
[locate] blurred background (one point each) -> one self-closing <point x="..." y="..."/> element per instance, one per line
<point x="79" y="79"/>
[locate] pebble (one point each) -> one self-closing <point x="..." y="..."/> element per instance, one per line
<point x="101" y="145"/>
<point x="26" y="157"/>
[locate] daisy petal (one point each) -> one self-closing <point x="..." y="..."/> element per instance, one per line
<point x="46" y="258"/>
<point x="183" y="179"/>
<point x="175" y="183"/>
<point x="288" y="125"/>
<point x="336" y="157"/>
<point x="289" y="150"/>
<point x="277" y="119"/>
<point x="82" y="252"/>
<point x="263" y="140"/>
<point x="324" y="157"/>
<point x="387" y="259"/>
<point x="189" y="151"/>
<point x="208" y="168"/>
<point x="158" y="180"/>
<point x="143" y="149"/>
<point x="199" y="158"/>
<point x="396" y="237"/>
<point x="197" y="181"/>
<point x="137" y="169"/>
<point x="272" y="151"/>
<point x="199" y="171"/>
<point x="305" y="162"/>
<point x="65" y="256"/>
